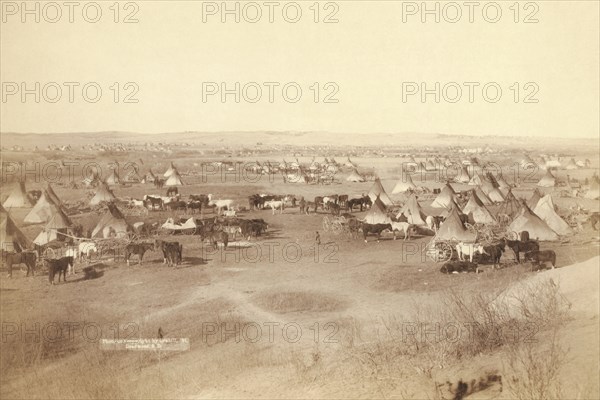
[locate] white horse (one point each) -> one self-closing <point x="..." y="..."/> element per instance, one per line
<point x="275" y="205"/>
<point x="469" y="249"/>
<point x="403" y="227"/>
<point x="220" y="204"/>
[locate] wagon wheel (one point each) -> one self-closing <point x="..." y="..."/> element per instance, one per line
<point x="512" y="235"/>
<point x="336" y="227"/>
<point x="49" y="253"/>
<point x="444" y="251"/>
<point x="471" y="228"/>
<point x="189" y="232"/>
<point x="326" y="224"/>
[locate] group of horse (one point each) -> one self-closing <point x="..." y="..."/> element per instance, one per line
<point x="492" y="253"/>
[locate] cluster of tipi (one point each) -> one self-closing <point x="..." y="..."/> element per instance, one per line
<point x="172" y="178"/>
<point x="48" y="210"/>
<point x="536" y="215"/>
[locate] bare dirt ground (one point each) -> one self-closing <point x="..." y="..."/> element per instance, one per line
<point x="289" y="319"/>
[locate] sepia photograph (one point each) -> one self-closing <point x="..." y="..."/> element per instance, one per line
<point x="310" y="199"/>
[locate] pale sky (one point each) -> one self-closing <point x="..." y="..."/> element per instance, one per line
<point x="368" y="55"/>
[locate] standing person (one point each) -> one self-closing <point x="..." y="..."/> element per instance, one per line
<point x="318" y="239"/>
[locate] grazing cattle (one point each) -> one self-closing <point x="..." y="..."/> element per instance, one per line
<point x="433" y="222"/>
<point x="172" y="191"/>
<point x="594" y="219"/>
<point x="61" y="265"/>
<point x="173" y="252"/>
<point x="539" y="257"/>
<point x="27" y="257"/>
<point x="137" y="249"/>
<point x="404" y="227"/>
<point x="463" y="249"/>
<point x="374" y="229"/>
<point x="87" y="249"/>
<point x="454" y="267"/>
<point x="162" y="245"/>
<point x="522" y="247"/>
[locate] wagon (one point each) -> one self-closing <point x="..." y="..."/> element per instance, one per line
<point x="488" y="234"/>
<point x="440" y="250"/>
<point x="337" y="225"/>
<point x="187" y="227"/>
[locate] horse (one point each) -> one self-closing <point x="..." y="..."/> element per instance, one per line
<point x="539" y="257"/>
<point x="469" y="249"/>
<point x="275" y="205"/>
<point x="27" y="257"/>
<point x="319" y="202"/>
<point x="138" y="249"/>
<point x="334" y="209"/>
<point x="153" y="203"/>
<point x="404" y="227"/>
<point x="495" y="252"/>
<point x="220" y="204"/>
<point x="433" y="222"/>
<point x="375" y="229"/>
<point x="518" y="246"/>
<point x="363" y="202"/>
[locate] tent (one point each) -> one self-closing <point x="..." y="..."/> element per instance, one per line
<point x="11" y="237"/>
<point x="295" y="178"/>
<point x="113" y="178"/>
<point x="353" y="177"/>
<point x="483" y="197"/>
<point x="112" y="224"/>
<point x="572" y="165"/>
<point x="548" y="180"/>
<point x="133" y="176"/>
<point x="463" y="176"/>
<point x="103" y="194"/>
<point x="477" y="211"/>
<point x="545" y="210"/>
<point x="169" y="171"/>
<point x="594" y="191"/>
<point x="174" y="179"/>
<point x="511" y="205"/>
<point x="412" y="211"/>
<point x="377" y="213"/>
<point x="92" y="180"/>
<point x="527" y="220"/>
<point x="533" y="200"/>
<point x="57" y="223"/>
<point x="552" y="164"/>
<point x="377" y="191"/>
<point x="477" y="180"/>
<point x="492" y="192"/>
<point x="405" y="184"/>
<point x="502" y="184"/>
<point x="18" y="198"/>
<point x="42" y="211"/>
<point x="452" y="205"/>
<point x="453" y="229"/>
<point x="444" y="199"/>
<point x="52" y="195"/>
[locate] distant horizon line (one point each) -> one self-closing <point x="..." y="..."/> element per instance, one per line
<point x="295" y="132"/>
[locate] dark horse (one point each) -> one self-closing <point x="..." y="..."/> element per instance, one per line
<point x="138" y="249"/>
<point x="375" y="229"/>
<point x="522" y="247"/>
<point x="28" y="258"/>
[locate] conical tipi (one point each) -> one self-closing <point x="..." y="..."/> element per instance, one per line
<point x="444" y="199"/>
<point x="377" y="190"/>
<point x="18" y="198"/>
<point x="412" y="211"/>
<point x="545" y="210"/>
<point x="11" y="237"/>
<point x="528" y="221"/>
<point x="405" y="184"/>
<point x="377" y="213"/>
